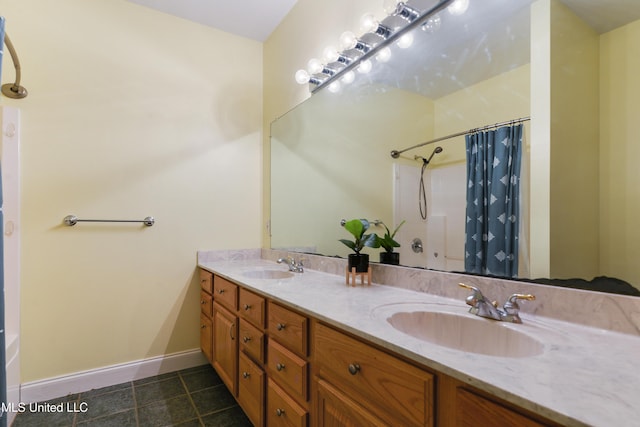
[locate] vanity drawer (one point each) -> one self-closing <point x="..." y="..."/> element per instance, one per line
<point x="225" y="293"/>
<point x="252" y="307"/>
<point x="282" y="410"/>
<point x="288" y="370"/>
<point x="206" y="303"/>
<point x="206" y="281"/>
<point x="251" y="340"/>
<point x="288" y="328"/>
<point x="251" y="389"/>
<point x="389" y="387"/>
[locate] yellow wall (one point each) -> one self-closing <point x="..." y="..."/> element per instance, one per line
<point x="574" y="249"/>
<point x="130" y="113"/>
<point x="620" y="151"/>
<point x="304" y="33"/>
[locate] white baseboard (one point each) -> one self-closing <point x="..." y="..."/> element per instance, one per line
<point x="78" y="382"/>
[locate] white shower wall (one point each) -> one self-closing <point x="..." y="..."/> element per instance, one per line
<point x="442" y="233"/>
<point x="10" y="118"/>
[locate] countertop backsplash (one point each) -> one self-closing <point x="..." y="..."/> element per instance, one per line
<point x="613" y="312"/>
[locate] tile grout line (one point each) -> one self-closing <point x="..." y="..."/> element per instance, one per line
<point x="184" y="384"/>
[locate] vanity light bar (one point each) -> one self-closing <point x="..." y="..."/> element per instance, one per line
<point x="388" y="36"/>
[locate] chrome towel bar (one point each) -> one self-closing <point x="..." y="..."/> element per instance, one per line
<point x="72" y="220"/>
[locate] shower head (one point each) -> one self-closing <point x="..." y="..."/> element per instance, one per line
<point x="433" y="153"/>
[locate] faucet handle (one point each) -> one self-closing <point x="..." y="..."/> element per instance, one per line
<point x="511" y="306"/>
<point x="475" y="297"/>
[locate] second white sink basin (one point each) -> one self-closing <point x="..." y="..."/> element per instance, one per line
<point x="267" y="274"/>
<point x="466" y="333"/>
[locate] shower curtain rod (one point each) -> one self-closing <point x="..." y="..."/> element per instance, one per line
<point x="395" y="153"/>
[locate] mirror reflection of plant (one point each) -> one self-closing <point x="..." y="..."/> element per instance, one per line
<point x="387" y="242"/>
<point x="357" y="228"/>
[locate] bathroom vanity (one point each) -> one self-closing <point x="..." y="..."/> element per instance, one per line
<point x="304" y="349"/>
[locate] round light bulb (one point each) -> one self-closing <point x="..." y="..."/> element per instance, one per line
<point x="390" y="6"/>
<point x="365" y="67"/>
<point x="302" y="76"/>
<point x="348" y="77"/>
<point x="384" y="54"/>
<point x="405" y="41"/>
<point x="458" y="7"/>
<point x="330" y="54"/>
<point x="368" y="23"/>
<point x="314" y="66"/>
<point x="334" y="87"/>
<point x="348" y="40"/>
<point x="432" y="25"/>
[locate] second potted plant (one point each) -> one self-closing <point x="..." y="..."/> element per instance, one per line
<point x="389" y="244"/>
<point x="357" y="228"/>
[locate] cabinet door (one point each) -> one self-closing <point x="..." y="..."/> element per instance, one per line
<point x="206" y="337"/>
<point x="225" y="346"/>
<point x="334" y="409"/>
<point x="282" y="410"/>
<point x="473" y="410"/>
<point x="251" y="390"/>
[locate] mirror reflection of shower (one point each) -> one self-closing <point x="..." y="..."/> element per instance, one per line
<point x="422" y="192"/>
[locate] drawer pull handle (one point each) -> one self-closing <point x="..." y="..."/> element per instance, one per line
<point x="203" y="302"/>
<point x="246" y="339"/>
<point x="279" y="412"/>
<point x="354" y="368"/>
<point x="280" y="366"/>
<point x="247" y="307"/>
<point x="280" y="326"/>
<point x="246" y="375"/>
<point x="221" y="291"/>
<point x="231" y="328"/>
<point x="203" y="326"/>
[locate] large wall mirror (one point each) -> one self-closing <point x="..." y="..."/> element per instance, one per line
<point x="569" y="65"/>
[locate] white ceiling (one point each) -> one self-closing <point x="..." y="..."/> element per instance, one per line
<point x="254" y="19"/>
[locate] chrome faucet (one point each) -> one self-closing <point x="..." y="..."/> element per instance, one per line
<point x="481" y="306"/>
<point x="295" y="266"/>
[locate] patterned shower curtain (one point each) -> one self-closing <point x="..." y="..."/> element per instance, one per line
<point x="493" y="177"/>
<point x="3" y="377"/>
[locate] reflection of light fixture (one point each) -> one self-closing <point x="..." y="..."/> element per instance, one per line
<point x="357" y="51"/>
<point x="405" y="41"/>
<point x="432" y="24"/>
<point x="365" y="67"/>
<point x="384" y="55"/>
<point x="458" y="7"/>
<point x="349" y="77"/>
<point x="13" y="90"/>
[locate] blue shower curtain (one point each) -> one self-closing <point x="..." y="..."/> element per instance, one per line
<point x="3" y="362"/>
<point x="493" y="176"/>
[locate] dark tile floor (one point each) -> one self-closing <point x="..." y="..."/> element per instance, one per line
<point x="192" y="397"/>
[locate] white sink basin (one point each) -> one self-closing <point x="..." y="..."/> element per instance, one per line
<point x="268" y="274"/>
<point x="466" y="333"/>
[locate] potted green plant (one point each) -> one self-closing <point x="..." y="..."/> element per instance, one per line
<point x="357" y="228"/>
<point x="389" y="244"/>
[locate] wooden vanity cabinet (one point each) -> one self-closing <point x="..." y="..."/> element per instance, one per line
<point x="286" y="369"/>
<point x="370" y="382"/>
<point x="206" y="313"/>
<point x="225" y="346"/>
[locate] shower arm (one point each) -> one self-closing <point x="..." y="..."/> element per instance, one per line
<point x="14" y="90"/>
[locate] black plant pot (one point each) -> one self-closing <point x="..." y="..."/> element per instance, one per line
<point x="360" y="262"/>
<point x="392" y="258"/>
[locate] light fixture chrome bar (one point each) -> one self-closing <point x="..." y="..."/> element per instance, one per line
<point x="372" y="50"/>
<point x="72" y="220"/>
<point x="395" y="153"/>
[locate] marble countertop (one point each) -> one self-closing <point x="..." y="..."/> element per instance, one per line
<point x="583" y="377"/>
